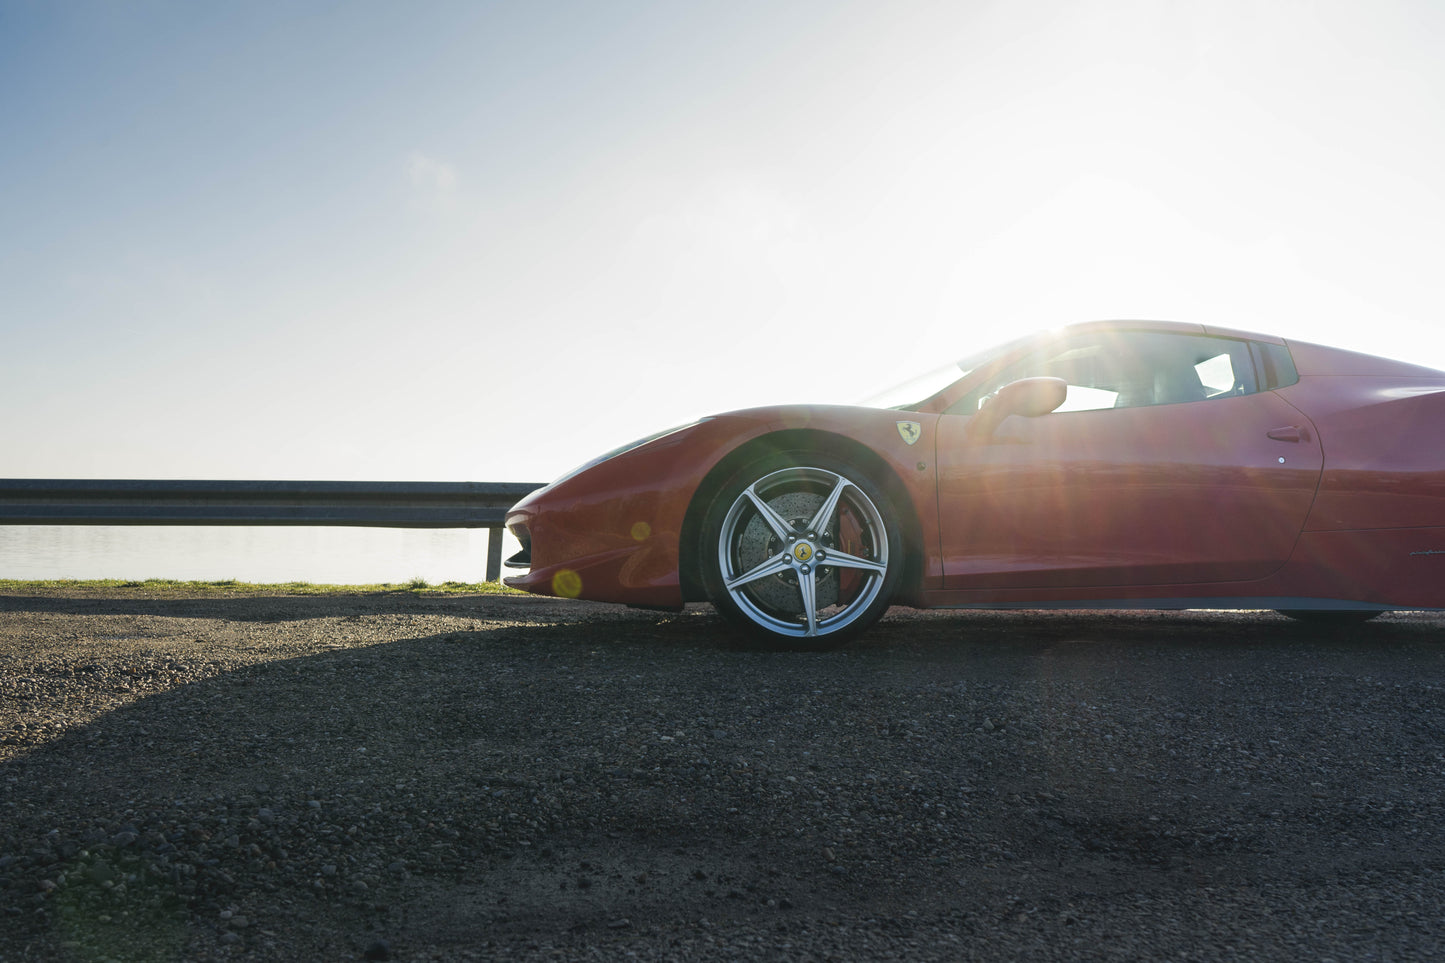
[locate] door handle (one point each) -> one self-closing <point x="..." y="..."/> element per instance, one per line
<point x="1292" y="434"/>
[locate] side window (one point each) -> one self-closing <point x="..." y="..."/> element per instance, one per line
<point x="1229" y="372"/>
<point x="1276" y="367"/>
<point x="1131" y="369"/>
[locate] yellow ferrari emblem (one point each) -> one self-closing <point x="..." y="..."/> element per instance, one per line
<point x="802" y="551"/>
<point x="910" y="431"/>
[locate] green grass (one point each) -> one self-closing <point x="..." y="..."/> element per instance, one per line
<point x="415" y="586"/>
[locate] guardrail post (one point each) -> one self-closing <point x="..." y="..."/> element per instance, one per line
<point x="494" y="554"/>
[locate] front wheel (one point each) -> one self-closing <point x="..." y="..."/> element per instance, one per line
<point x="802" y="550"/>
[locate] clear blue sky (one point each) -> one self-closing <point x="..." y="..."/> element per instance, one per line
<point x="441" y="240"/>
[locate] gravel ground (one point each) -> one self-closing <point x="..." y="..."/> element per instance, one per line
<point x="390" y="776"/>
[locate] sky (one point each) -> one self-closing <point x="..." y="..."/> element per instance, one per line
<point x="486" y="241"/>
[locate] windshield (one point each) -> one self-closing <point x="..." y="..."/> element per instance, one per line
<point x="920" y="388"/>
<point x="917" y="388"/>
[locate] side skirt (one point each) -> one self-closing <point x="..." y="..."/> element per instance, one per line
<point x="944" y="600"/>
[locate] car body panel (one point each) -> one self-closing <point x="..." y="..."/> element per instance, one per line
<point x="1118" y="496"/>
<point x="611" y="532"/>
<point x="1160" y="505"/>
<point x="618" y="526"/>
<point x="1317" y="360"/>
<point x="1379" y="569"/>
<point x="1383" y="440"/>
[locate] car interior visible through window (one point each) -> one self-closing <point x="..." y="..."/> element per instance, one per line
<point x="1130" y="370"/>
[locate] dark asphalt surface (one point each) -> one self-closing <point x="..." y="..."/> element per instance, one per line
<point x="489" y="778"/>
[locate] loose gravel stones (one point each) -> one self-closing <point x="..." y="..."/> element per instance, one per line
<point x="387" y="776"/>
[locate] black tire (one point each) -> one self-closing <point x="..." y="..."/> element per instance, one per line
<point x="1332" y="618"/>
<point x="769" y="535"/>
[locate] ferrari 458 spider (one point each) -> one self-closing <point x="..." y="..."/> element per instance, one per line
<point x="1105" y="465"/>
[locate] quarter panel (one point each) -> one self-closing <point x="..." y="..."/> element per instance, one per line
<point x="1384" y="447"/>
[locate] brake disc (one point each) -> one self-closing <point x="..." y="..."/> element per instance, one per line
<point x="758" y="542"/>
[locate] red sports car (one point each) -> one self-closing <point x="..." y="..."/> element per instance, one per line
<point x="1104" y="465"/>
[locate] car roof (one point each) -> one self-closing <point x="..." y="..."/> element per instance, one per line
<point x="1310" y="359"/>
<point x="1175" y="327"/>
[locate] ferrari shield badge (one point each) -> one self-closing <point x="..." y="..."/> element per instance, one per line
<point x="911" y="431"/>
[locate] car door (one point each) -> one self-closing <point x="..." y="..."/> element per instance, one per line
<point x="1165" y="465"/>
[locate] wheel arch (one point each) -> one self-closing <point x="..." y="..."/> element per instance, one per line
<point x="799" y="440"/>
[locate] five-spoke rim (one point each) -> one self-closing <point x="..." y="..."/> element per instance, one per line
<point x="785" y="542"/>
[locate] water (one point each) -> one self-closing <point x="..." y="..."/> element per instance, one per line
<point x="347" y="556"/>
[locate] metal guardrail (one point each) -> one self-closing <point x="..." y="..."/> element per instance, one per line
<point x="49" y="501"/>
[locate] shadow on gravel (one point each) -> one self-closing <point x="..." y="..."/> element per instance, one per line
<point x="258" y="608"/>
<point x="1026" y="782"/>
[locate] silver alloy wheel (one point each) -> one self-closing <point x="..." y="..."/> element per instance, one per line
<point x="781" y="552"/>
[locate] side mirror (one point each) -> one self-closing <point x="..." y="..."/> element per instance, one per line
<point x="1029" y="397"/>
